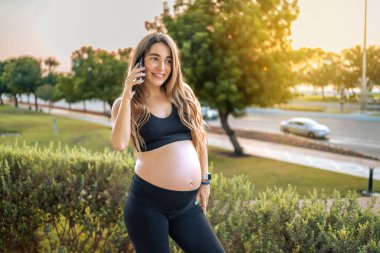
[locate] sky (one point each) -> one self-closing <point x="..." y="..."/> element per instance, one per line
<point x="43" y="28"/>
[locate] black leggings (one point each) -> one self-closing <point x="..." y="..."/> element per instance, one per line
<point x="152" y="213"/>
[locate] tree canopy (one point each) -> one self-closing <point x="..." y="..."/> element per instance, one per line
<point x="234" y="52"/>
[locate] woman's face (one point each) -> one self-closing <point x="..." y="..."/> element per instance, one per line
<point x="158" y="64"/>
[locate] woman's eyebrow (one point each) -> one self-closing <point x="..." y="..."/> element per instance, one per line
<point x="154" y="54"/>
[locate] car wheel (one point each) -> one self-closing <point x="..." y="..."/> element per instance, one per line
<point x="311" y="135"/>
<point x="286" y="131"/>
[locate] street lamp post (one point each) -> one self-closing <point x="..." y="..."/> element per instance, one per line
<point x="363" y="97"/>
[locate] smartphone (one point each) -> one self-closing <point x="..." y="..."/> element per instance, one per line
<point x="141" y="64"/>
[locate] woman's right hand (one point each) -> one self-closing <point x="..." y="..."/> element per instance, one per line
<point x="131" y="80"/>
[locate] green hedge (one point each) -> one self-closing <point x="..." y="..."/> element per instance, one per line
<point x="71" y="200"/>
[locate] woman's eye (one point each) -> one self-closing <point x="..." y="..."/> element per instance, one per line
<point x="154" y="59"/>
<point x="169" y="61"/>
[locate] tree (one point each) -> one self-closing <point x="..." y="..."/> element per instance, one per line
<point x="322" y="72"/>
<point x="47" y="93"/>
<point x="51" y="64"/>
<point x="3" y="86"/>
<point x="50" y="77"/>
<point x="98" y="73"/>
<point x="22" y="75"/>
<point x="82" y="66"/>
<point x="109" y="70"/>
<point x="353" y="58"/>
<point x="65" y="89"/>
<point x="234" y="52"/>
<point x="317" y="67"/>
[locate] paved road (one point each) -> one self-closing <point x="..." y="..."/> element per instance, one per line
<point x="353" y="131"/>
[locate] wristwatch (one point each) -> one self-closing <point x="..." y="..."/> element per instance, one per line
<point x="206" y="177"/>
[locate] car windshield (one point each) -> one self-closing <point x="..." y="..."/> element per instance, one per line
<point x="304" y="122"/>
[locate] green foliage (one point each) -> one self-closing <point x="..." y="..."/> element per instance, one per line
<point x="109" y="71"/>
<point x="354" y="63"/>
<point x="234" y="51"/>
<point x="82" y="66"/>
<point x="3" y="84"/>
<point x="70" y="200"/>
<point x="97" y="74"/>
<point x="66" y="89"/>
<point x="71" y="196"/>
<point x="320" y="68"/>
<point x="21" y="75"/>
<point x="46" y="92"/>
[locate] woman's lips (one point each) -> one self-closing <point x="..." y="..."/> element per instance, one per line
<point x="160" y="76"/>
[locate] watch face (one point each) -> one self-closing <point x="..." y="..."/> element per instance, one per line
<point x="206" y="177"/>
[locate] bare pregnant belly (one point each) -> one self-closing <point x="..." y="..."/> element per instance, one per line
<point x="174" y="166"/>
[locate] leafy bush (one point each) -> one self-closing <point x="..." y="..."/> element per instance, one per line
<point x="71" y="200"/>
<point x="68" y="198"/>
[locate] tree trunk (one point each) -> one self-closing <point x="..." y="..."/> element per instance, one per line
<point x="341" y="100"/>
<point x="69" y="106"/>
<point x="84" y="105"/>
<point x="109" y="112"/>
<point x="369" y="85"/>
<point x="16" y="101"/>
<point x="323" y="93"/>
<point x="1" y="100"/>
<point x="35" y="102"/>
<point x="238" y="150"/>
<point x="29" y="107"/>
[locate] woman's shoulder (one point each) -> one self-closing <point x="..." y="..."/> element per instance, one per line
<point x="186" y="86"/>
<point x="115" y="107"/>
<point x="117" y="102"/>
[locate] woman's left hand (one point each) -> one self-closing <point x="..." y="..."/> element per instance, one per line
<point x="202" y="197"/>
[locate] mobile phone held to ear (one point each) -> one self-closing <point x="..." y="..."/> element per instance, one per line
<point x="141" y="64"/>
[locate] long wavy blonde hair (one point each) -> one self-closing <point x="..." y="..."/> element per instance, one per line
<point x="179" y="93"/>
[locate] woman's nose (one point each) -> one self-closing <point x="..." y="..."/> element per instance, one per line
<point x="161" y="65"/>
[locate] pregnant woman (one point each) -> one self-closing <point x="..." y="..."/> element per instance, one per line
<point x="170" y="187"/>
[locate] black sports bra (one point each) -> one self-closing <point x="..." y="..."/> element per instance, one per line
<point x="158" y="132"/>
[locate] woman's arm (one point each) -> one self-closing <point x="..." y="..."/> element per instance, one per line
<point x="204" y="190"/>
<point x="121" y="118"/>
<point x="203" y="159"/>
<point x="121" y="111"/>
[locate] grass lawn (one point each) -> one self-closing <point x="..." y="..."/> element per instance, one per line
<point x="302" y="108"/>
<point x="38" y="127"/>
<point x="265" y="173"/>
<point x="319" y="98"/>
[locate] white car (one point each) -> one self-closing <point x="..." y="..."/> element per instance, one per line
<point x="305" y="127"/>
<point x="208" y="113"/>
